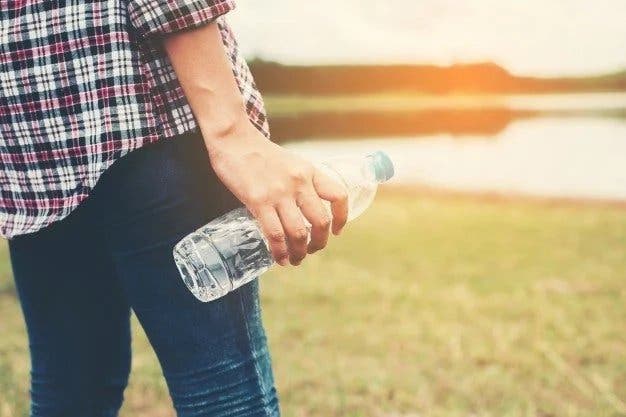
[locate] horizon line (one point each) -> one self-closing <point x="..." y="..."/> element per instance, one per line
<point x="256" y="58"/>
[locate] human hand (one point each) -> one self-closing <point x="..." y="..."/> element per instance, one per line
<point x="278" y="188"/>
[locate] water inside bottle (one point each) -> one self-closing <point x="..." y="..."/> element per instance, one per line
<point x="240" y="244"/>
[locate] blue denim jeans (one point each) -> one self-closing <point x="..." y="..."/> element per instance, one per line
<point x="79" y="278"/>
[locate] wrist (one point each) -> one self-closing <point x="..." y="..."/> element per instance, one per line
<point x="227" y="135"/>
<point x="222" y="126"/>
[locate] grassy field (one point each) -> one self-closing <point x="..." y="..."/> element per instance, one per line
<point x="427" y="306"/>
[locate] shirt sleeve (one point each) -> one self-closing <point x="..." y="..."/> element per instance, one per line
<point x="159" y="17"/>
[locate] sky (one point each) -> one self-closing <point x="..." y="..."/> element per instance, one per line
<point x="531" y="37"/>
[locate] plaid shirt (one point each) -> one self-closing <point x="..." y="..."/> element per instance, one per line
<point x="82" y="83"/>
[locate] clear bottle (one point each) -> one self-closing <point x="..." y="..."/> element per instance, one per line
<point x="231" y="250"/>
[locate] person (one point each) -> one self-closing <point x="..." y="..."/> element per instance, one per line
<point x="125" y="125"/>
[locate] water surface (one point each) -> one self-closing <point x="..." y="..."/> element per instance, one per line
<point x="549" y="156"/>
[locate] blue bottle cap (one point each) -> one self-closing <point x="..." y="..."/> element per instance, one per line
<point x="383" y="167"/>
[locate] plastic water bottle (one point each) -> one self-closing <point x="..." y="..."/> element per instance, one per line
<point x="231" y="250"/>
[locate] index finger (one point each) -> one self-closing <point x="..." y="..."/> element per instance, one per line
<point x="334" y="192"/>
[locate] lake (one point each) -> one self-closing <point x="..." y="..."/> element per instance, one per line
<point x="573" y="157"/>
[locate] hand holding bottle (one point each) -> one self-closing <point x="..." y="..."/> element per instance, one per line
<point x="279" y="188"/>
<point x="231" y="250"/>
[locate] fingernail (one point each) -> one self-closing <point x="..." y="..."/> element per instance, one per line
<point x="282" y="261"/>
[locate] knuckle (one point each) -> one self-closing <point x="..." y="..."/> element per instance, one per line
<point x="278" y="189"/>
<point x="300" y="174"/>
<point x="299" y="235"/>
<point x="258" y="197"/>
<point x="323" y="222"/>
<point x="276" y="236"/>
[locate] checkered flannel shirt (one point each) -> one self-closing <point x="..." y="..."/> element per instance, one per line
<point x="82" y="83"/>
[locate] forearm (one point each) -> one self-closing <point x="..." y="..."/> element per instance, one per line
<point x="278" y="187"/>
<point x="206" y="76"/>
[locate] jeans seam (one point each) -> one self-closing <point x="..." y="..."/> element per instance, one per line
<point x="257" y="370"/>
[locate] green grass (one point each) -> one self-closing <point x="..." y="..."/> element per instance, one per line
<point x="427" y="306"/>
